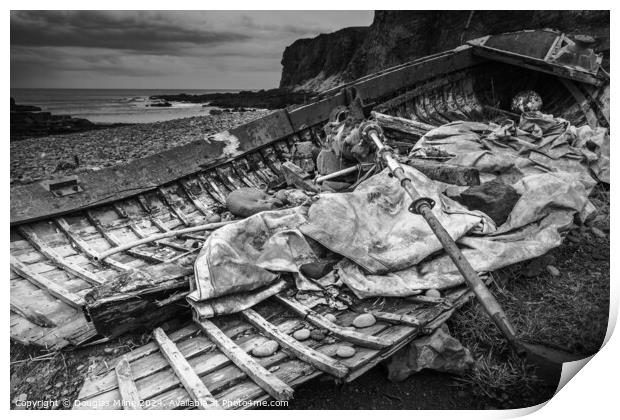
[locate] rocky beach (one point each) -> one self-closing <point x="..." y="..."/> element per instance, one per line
<point x="42" y="157"/>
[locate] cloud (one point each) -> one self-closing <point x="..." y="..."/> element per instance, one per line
<point x="135" y="31"/>
<point x="160" y="49"/>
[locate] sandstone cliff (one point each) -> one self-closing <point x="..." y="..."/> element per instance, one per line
<point x="395" y="37"/>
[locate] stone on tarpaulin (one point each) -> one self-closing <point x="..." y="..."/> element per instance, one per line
<point x="494" y="198"/>
<point x="245" y="202"/>
<point x="438" y="351"/>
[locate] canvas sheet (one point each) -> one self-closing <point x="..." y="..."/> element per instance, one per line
<point x="388" y="251"/>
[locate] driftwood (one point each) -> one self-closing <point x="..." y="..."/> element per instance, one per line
<point x="414" y="128"/>
<point x="190" y="380"/>
<point x="153" y="238"/>
<point x="127" y="386"/>
<point x="139" y="300"/>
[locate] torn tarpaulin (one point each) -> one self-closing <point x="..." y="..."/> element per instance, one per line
<point x="539" y="144"/>
<point x="391" y="252"/>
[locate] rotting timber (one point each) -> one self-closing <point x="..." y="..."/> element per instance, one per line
<point x="67" y="291"/>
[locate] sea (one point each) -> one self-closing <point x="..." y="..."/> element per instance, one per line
<point x="112" y="105"/>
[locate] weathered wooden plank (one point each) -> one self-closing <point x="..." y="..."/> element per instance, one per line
<point x="265" y="379"/>
<point x="192" y="383"/>
<point x="43" y="283"/>
<point x="32" y="315"/>
<point x="116" y="242"/>
<point x="404" y="125"/>
<point x="127" y="387"/>
<point x="202" y="207"/>
<point x="173" y="206"/>
<point x="150" y="367"/>
<point x="30" y="235"/>
<point x="303" y="352"/>
<point x="321" y="322"/>
<point x="64" y="226"/>
<point x="397" y="318"/>
<point x="584" y="104"/>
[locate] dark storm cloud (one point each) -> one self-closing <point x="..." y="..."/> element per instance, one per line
<point x="138" y="31"/>
<point x="161" y="49"/>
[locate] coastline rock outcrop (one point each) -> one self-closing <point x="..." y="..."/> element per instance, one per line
<point x="30" y="121"/>
<point x="314" y="64"/>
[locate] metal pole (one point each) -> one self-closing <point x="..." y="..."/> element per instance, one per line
<point x="341" y="172"/>
<point x="423" y="206"/>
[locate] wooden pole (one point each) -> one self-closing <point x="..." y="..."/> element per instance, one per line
<point x="164" y="235"/>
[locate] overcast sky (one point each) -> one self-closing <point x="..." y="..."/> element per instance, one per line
<point x="161" y="49"/>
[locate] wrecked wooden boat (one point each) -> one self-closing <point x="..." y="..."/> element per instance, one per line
<point x="68" y="289"/>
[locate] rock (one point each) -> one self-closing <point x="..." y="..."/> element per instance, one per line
<point x="537" y="265"/>
<point x="573" y="238"/>
<point x="345" y="351"/>
<point x="108" y="350"/>
<point x="30" y="380"/>
<point x="553" y="271"/>
<point x="364" y="320"/>
<point x="302" y="334"/>
<point x="59" y="384"/>
<point x="330" y="317"/>
<point x="439" y="351"/>
<point x="599" y="233"/>
<point x="317" y="269"/>
<point x="292" y="197"/>
<point x="80" y="367"/>
<point x="494" y="198"/>
<point x="317" y="335"/>
<point x="266" y="349"/>
<point x="434" y="293"/>
<point x="245" y="202"/>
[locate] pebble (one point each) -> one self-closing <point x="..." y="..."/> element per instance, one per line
<point x="317" y="335"/>
<point x="553" y="271"/>
<point x="266" y="349"/>
<point x="434" y="293"/>
<point x="30" y="379"/>
<point x="345" y="351"/>
<point x="598" y="232"/>
<point x="302" y="334"/>
<point x="330" y="317"/>
<point x="59" y="384"/>
<point x="80" y="367"/>
<point x="36" y="158"/>
<point x="364" y="320"/>
<point x="108" y="350"/>
<point x="573" y="238"/>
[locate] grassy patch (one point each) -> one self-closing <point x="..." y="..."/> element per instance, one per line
<point x="569" y="311"/>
